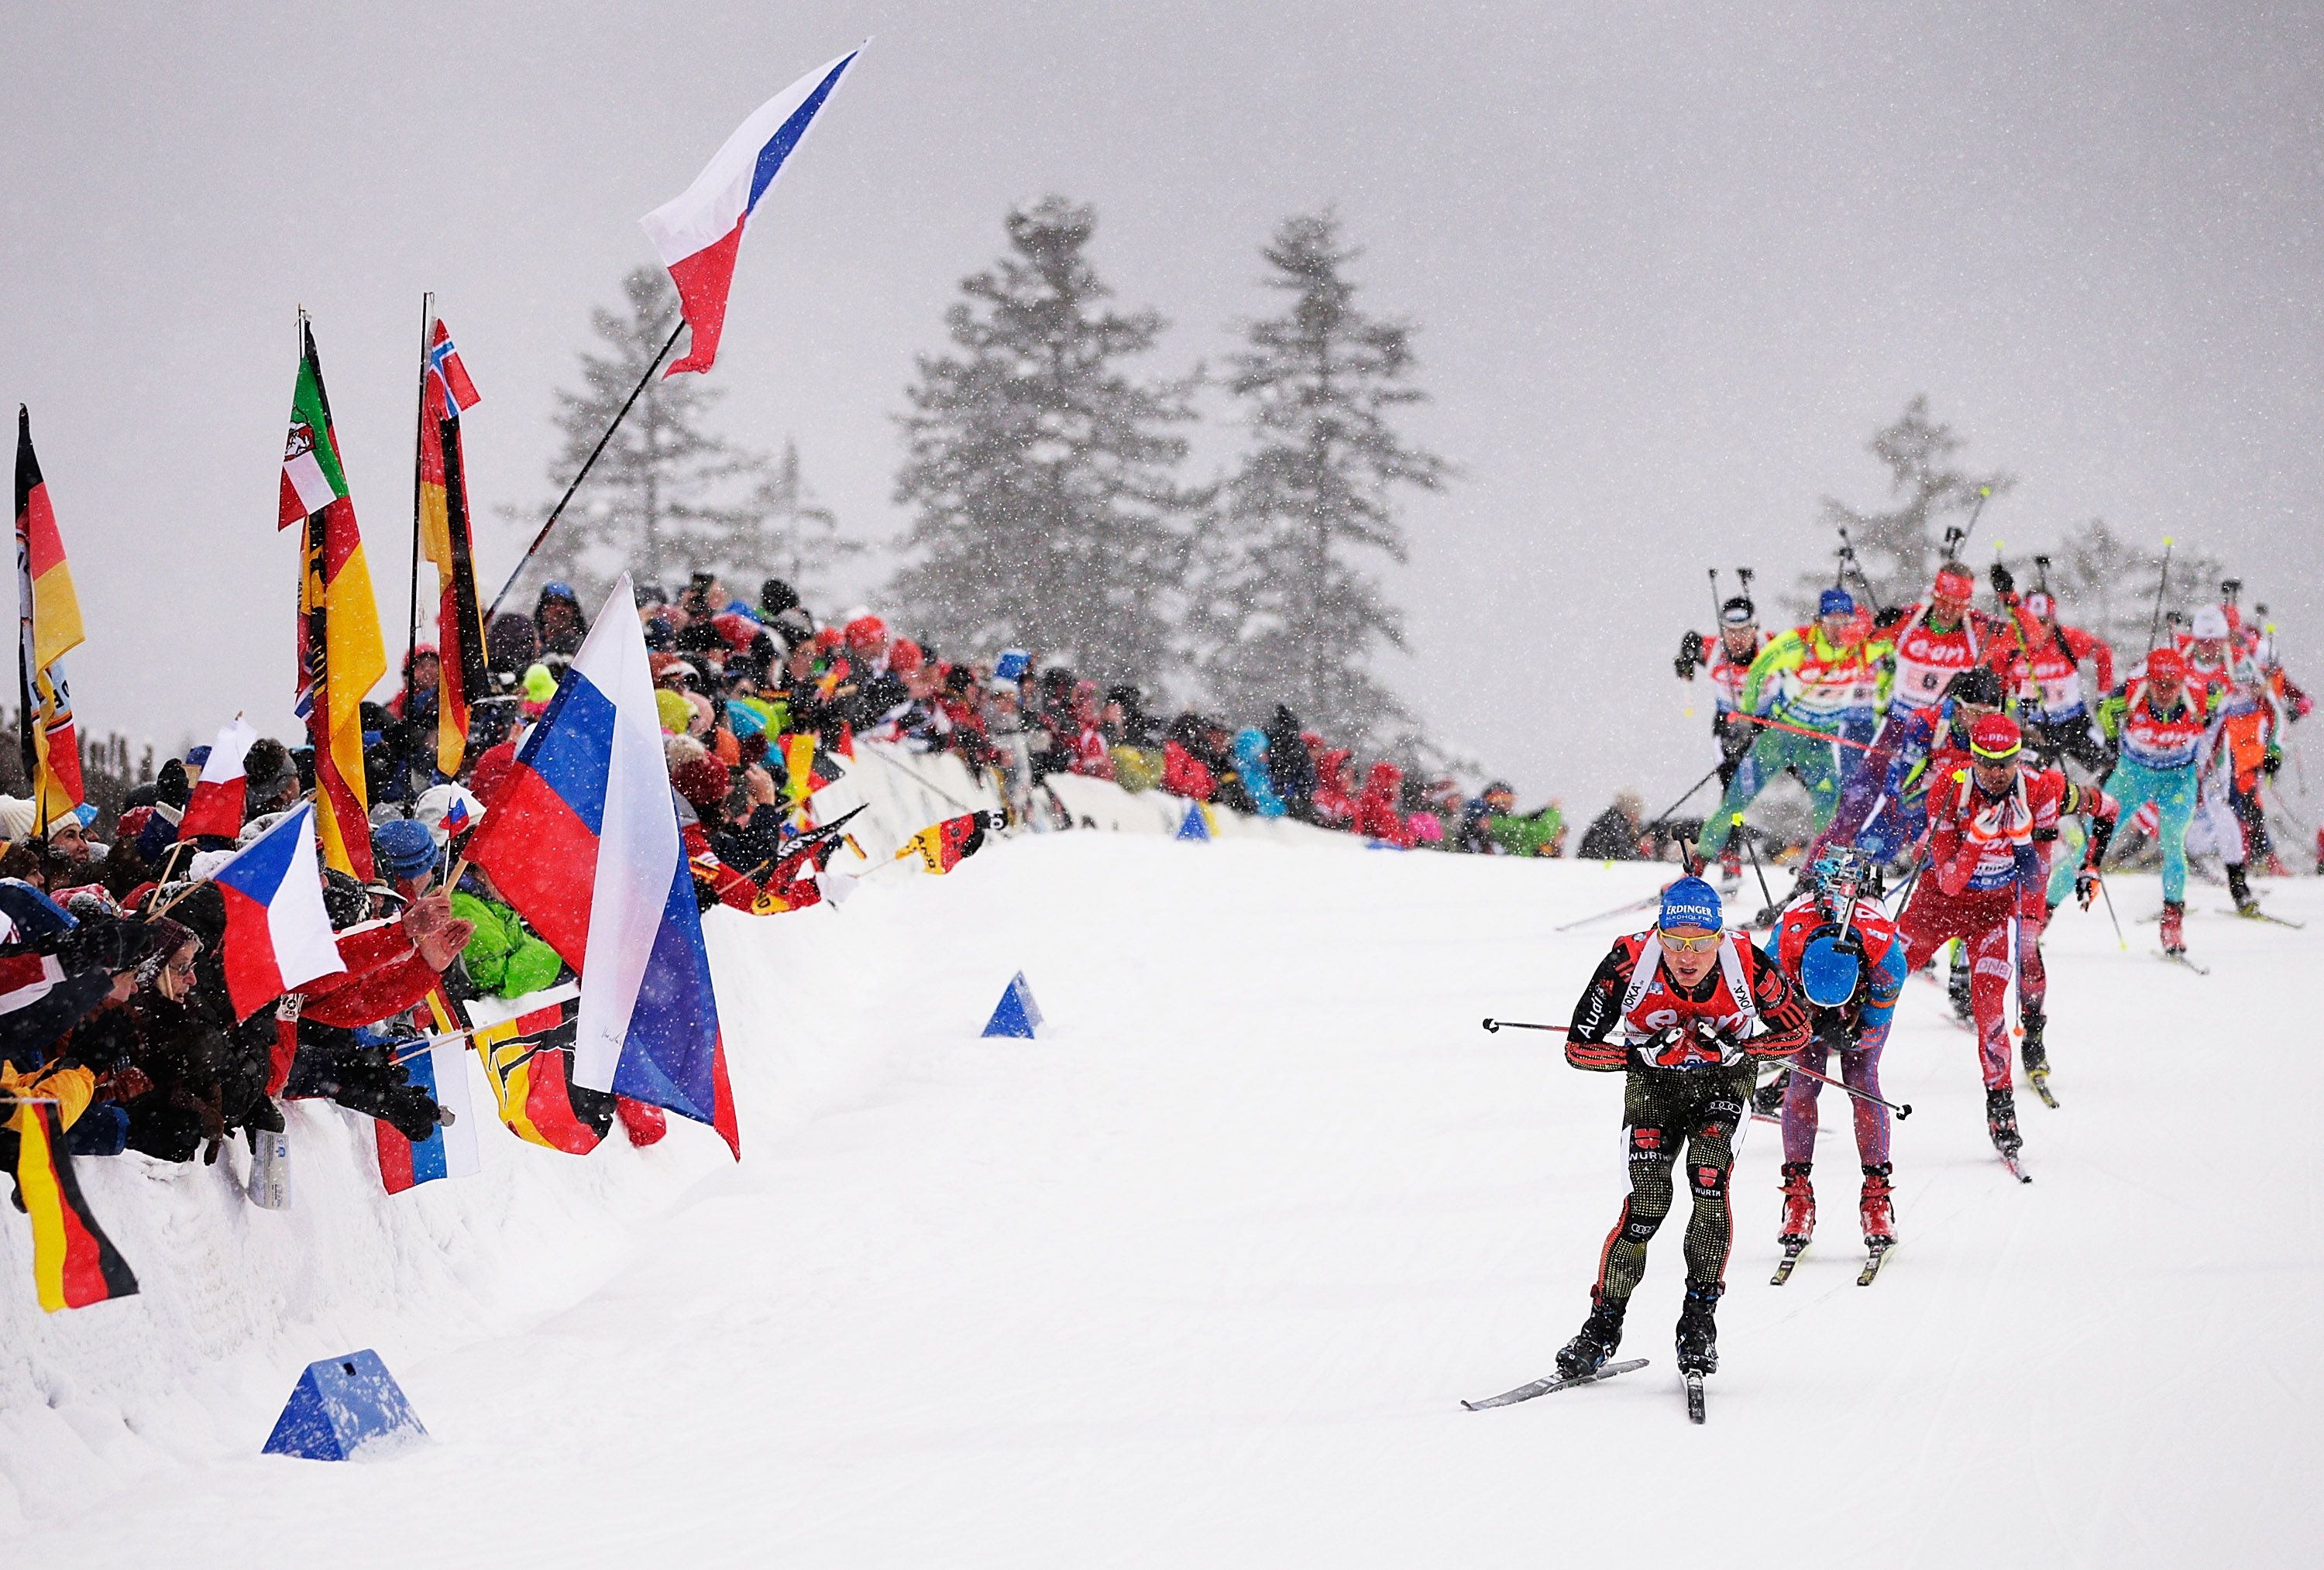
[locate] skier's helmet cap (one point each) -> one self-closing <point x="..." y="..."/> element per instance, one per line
<point x="1954" y="583"/>
<point x="1976" y="684"/>
<point x="1828" y="968"/>
<point x="1836" y="601"/>
<point x="2210" y="621"/>
<point x="1738" y="612"/>
<point x="1690" y="903"/>
<point x="1996" y="738"/>
<point x="2039" y="606"/>
<point x="2165" y="664"/>
<point x="866" y="633"/>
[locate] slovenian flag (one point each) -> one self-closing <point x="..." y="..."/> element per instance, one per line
<point x="215" y="807"/>
<point x="583" y="841"/>
<point x="700" y="233"/>
<point x="439" y="1066"/>
<point x="278" y="935"/>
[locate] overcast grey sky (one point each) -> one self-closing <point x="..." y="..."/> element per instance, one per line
<point x="1673" y="264"/>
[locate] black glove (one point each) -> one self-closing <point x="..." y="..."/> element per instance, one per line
<point x="1690" y="655"/>
<point x="1889" y="617"/>
<point x="2273" y="764"/>
<point x="2003" y="582"/>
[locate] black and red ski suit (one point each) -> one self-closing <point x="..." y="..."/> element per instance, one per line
<point x="1693" y="1090"/>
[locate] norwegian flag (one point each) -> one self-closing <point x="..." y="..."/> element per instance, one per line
<point x="449" y="376"/>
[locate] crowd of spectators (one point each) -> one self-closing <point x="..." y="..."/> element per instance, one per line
<point x="114" y="1002"/>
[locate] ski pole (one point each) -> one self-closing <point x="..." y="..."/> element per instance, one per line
<point x="1737" y="824"/>
<point x="1984" y="495"/>
<point x="1635" y="904"/>
<point x="1901" y="1108"/>
<point x="2161" y="582"/>
<point x="2108" y="894"/>
<point x="1717" y="611"/>
<point x="1664" y="816"/>
<point x="1800" y="730"/>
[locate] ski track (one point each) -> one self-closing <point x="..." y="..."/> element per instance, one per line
<point x="1201" y="1276"/>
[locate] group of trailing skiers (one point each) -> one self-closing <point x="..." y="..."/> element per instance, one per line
<point x="1935" y="741"/>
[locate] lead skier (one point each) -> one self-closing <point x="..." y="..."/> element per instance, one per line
<point x="1684" y="1010"/>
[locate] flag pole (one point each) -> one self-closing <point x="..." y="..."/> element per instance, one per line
<point x="559" y="510"/>
<point x="420" y="444"/>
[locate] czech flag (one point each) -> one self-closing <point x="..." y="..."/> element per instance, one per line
<point x="700" y="233"/>
<point x="215" y="807"/>
<point x="440" y="1067"/>
<point x="583" y="841"/>
<point x="74" y="1263"/>
<point x="278" y="935"/>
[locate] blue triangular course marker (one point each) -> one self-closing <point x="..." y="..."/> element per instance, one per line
<point x="339" y="1406"/>
<point x="1018" y="1015"/>
<point x="1194" y="826"/>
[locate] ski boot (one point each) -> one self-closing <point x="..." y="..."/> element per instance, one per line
<point x="1600" y="1337"/>
<point x="2246" y="903"/>
<point x="2001" y="1120"/>
<point x="2035" y="1056"/>
<point x="1879" y="1207"/>
<point x="1799" y="1205"/>
<point x="1698" y="1332"/>
<point x="2174" y="936"/>
<point x="1767" y="1101"/>
<point x="1957" y="987"/>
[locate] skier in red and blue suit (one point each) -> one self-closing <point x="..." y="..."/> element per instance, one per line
<point x="1843" y="954"/>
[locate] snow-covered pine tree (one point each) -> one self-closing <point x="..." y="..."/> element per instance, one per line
<point x="1040" y="473"/>
<point x="1899" y="550"/>
<point x="659" y="500"/>
<point x="2106" y="584"/>
<point x="1286" y="608"/>
<point x="797" y="538"/>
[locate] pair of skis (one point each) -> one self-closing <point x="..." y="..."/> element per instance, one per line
<point x="1874" y="1253"/>
<point x="1555" y="1382"/>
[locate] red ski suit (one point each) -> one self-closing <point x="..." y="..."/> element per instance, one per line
<point x="1981" y="858"/>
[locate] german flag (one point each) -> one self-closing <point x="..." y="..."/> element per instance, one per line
<point x="340" y="655"/>
<point x="445" y="394"/>
<point x="74" y="1263"/>
<point x="526" y="1044"/>
<point x="48" y="618"/>
<point x="941" y="847"/>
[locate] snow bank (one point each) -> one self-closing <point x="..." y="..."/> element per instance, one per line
<point x="233" y="1300"/>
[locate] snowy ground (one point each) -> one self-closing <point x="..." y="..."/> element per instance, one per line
<point x="1200" y="1279"/>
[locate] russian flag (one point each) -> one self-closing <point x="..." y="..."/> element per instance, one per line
<point x="278" y="935"/>
<point x="440" y="1067"/>
<point x="582" y="839"/>
<point x="215" y="805"/>
<point x="699" y="233"/>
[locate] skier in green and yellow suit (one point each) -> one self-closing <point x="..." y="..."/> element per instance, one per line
<point x="1829" y="677"/>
